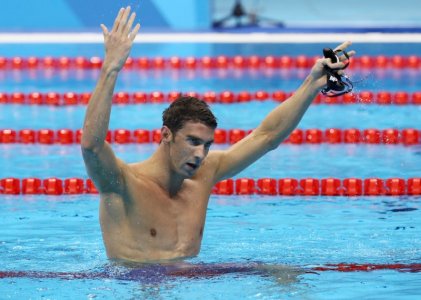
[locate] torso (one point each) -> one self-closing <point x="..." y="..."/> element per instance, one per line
<point x="146" y="224"/>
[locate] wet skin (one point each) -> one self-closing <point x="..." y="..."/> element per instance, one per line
<point x="146" y="222"/>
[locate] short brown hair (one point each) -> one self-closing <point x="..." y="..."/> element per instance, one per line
<point x="185" y="109"/>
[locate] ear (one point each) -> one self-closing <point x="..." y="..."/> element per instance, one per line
<point x="166" y="134"/>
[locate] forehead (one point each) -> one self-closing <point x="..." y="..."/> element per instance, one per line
<point x="197" y="129"/>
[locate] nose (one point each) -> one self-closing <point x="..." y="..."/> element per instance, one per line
<point x="200" y="152"/>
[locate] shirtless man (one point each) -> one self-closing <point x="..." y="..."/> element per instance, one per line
<point x="155" y="210"/>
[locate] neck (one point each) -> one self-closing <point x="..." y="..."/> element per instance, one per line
<point x="163" y="174"/>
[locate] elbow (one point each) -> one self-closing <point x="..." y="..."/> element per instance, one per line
<point x="272" y="145"/>
<point x="272" y="142"/>
<point x="86" y="144"/>
<point x="89" y="145"/>
<point x="268" y="140"/>
<point x="90" y="142"/>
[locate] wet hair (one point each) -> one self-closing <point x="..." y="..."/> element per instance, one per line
<point x="186" y="108"/>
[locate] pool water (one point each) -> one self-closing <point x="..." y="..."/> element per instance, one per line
<point x="61" y="234"/>
<point x="51" y="246"/>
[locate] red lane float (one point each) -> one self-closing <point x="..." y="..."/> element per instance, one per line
<point x="236" y="135"/>
<point x="390" y="136"/>
<point x="74" y="186"/>
<point x="223" y="97"/>
<point x="122" y="136"/>
<point x="352" y="187"/>
<point x="224" y="187"/>
<point x="220" y="136"/>
<point x="53" y="186"/>
<point x="287" y="186"/>
<point x="331" y="187"/>
<point x="90" y="187"/>
<point x="333" y="136"/>
<point x="343" y="267"/>
<point x="32" y="186"/>
<point x="245" y="186"/>
<point x="141" y="136"/>
<point x="349" y="187"/>
<point x="414" y="186"/>
<point x="267" y="186"/>
<point x="309" y="187"/>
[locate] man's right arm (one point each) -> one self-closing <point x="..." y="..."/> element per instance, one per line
<point x="101" y="163"/>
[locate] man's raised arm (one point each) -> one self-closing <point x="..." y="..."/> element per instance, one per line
<point x="278" y="124"/>
<point x="102" y="165"/>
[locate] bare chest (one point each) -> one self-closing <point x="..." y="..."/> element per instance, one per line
<point x="153" y="220"/>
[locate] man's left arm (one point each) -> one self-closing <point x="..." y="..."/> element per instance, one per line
<point x="277" y="125"/>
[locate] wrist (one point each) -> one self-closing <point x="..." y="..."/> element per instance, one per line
<point x="314" y="84"/>
<point x="109" y="70"/>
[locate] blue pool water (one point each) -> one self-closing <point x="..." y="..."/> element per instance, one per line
<point x="61" y="234"/>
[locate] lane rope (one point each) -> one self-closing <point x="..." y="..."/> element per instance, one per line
<point x="220" y="97"/>
<point x="240" y="186"/>
<point x="207" y="62"/>
<point x="156" y="273"/>
<point x="372" y="136"/>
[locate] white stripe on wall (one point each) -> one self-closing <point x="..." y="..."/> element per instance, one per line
<point x="255" y="38"/>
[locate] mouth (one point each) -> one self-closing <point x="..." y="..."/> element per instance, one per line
<point x="192" y="166"/>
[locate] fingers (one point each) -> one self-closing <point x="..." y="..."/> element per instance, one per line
<point x="130" y="23"/>
<point x="343" y="46"/>
<point x="117" y="20"/>
<point x="123" y="21"/>
<point x="351" y="53"/>
<point x="343" y="57"/>
<point x="333" y="66"/>
<point x="104" y="30"/>
<point x="135" y="30"/>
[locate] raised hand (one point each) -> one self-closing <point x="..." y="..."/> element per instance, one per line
<point x="318" y="72"/>
<point x="119" y="40"/>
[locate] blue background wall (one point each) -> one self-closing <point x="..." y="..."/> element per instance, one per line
<point x="332" y="12"/>
<point x="77" y="15"/>
<point x="86" y="15"/>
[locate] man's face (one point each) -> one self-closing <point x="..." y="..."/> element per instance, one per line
<point x="189" y="147"/>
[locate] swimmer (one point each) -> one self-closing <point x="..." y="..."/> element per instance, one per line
<point x="154" y="210"/>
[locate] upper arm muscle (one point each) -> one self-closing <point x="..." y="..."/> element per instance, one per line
<point x="241" y="155"/>
<point x="104" y="168"/>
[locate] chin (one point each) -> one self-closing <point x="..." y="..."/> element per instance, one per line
<point x="190" y="174"/>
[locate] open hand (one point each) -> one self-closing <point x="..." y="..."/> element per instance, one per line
<point x="119" y="40"/>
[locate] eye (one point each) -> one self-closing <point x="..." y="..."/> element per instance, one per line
<point x="208" y="145"/>
<point x="194" y="141"/>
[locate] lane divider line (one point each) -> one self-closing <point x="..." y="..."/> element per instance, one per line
<point x="372" y="136"/>
<point x="349" y="187"/>
<point x="237" y="62"/>
<point x="398" y="98"/>
<point x="156" y="273"/>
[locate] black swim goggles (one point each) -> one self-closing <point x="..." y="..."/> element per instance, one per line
<point x="336" y="85"/>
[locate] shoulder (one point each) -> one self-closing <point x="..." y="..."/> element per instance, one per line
<point x="211" y="164"/>
<point x="134" y="181"/>
<point x="213" y="158"/>
<point x="135" y="170"/>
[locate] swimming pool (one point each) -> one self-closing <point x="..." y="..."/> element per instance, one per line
<point x="51" y="246"/>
